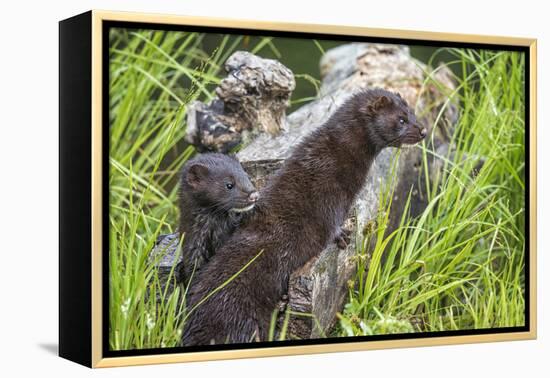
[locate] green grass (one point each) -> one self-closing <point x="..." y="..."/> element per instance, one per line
<point x="460" y="265"/>
<point x="457" y="266"/>
<point x="146" y="113"/>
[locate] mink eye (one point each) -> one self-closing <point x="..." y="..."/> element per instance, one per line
<point x="401" y="120"/>
<point x="229" y="185"/>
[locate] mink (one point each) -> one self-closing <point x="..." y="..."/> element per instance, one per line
<point x="214" y="194"/>
<point x="300" y="211"/>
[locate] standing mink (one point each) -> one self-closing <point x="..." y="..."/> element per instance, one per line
<point x="298" y="214"/>
<point x="214" y="193"/>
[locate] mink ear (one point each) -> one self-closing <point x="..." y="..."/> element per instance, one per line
<point x="381" y="103"/>
<point x="196" y="173"/>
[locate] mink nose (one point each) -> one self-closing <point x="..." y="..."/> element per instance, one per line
<point x="423" y="132"/>
<point x="253" y="197"/>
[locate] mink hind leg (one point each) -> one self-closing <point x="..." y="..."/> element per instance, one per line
<point x="236" y="328"/>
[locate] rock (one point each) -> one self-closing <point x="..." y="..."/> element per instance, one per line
<point x="252" y="99"/>
<point x="320" y="287"/>
<point x="166" y="258"/>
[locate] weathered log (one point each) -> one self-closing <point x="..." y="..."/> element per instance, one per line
<point x="252" y="98"/>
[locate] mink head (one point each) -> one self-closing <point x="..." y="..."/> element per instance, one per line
<point x="218" y="183"/>
<point x="391" y="122"/>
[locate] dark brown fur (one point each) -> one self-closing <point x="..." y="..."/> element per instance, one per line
<point x="207" y="207"/>
<point x="299" y="212"/>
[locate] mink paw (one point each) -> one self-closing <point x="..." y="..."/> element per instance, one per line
<point x="283" y="303"/>
<point x="343" y="238"/>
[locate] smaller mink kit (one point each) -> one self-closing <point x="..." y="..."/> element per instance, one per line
<point x="214" y="194"/>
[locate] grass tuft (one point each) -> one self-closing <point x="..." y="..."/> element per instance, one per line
<point x="461" y="263"/>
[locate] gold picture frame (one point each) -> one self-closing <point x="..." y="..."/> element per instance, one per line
<point x="89" y="267"/>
